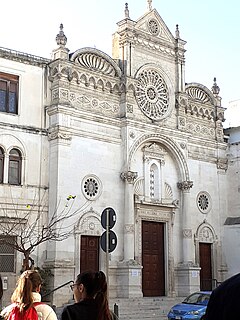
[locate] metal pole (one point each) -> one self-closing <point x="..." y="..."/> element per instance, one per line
<point x="107" y="250"/>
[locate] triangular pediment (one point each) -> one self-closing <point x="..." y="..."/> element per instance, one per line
<point x="152" y="24"/>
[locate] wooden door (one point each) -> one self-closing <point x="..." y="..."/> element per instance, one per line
<point x="89" y="256"/>
<point x="205" y="252"/>
<point x="153" y="275"/>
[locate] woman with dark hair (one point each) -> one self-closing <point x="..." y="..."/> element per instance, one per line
<point x="1" y="288"/>
<point x="25" y="296"/>
<point x="90" y="295"/>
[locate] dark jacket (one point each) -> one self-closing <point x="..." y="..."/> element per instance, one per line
<point x="224" y="303"/>
<point x="83" y="310"/>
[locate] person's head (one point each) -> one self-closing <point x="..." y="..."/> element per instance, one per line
<point x="93" y="285"/>
<point x="29" y="281"/>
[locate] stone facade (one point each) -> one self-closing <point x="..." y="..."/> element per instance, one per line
<point x="124" y="132"/>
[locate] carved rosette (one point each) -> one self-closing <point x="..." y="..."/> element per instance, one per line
<point x="187" y="233"/>
<point x="129" y="176"/>
<point x="129" y="228"/>
<point x="185" y="185"/>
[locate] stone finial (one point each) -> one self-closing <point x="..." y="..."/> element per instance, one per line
<point x="61" y="39"/>
<point x="126" y="11"/>
<point x="215" y="87"/>
<point x="177" y="33"/>
<point x="149" y="5"/>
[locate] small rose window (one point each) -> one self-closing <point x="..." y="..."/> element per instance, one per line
<point x="204" y="202"/>
<point x="91" y="187"/>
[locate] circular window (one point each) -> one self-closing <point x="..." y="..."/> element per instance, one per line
<point x="204" y="202"/>
<point x="153" y="27"/>
<point x="152" y="94"/>
<point x="91" y="187"/>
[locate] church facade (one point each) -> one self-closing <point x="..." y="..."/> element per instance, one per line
<point x="123" y="132"/>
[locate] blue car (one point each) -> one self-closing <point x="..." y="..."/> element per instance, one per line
<point x="192" y="308"/>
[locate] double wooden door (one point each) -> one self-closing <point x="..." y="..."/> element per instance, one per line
<point x="153" y="275"/>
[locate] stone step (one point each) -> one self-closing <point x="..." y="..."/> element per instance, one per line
<point x="144" y="308"/>
<point x="155" y="308"/>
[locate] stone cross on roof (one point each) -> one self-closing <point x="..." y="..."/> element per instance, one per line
<point x="149" y="5"/>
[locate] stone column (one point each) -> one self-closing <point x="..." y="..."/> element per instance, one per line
<point x="185" y="187"/>
<point x="188" y="272"/>
<point x="129" y="177"/>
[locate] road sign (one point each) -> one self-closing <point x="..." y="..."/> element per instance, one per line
<point x="111" y="218"/>
<point x="112" y="242"/>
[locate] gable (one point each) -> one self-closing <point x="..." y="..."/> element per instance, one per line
<point x="152" y="24"/>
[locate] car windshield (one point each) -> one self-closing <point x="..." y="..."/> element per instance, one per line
<point x="197" y="298"/>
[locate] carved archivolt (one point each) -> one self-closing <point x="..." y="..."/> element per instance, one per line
<point x="205" y="233"/>
<point x="169" y="144"/>
<point x="89" y="224"/>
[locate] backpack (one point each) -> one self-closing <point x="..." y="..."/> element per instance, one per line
<point x="29" y="314"/>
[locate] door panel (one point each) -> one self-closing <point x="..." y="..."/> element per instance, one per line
<point x="205" y="252"/>
<point x="89" y="256"/>
<point x="153" y="276"/>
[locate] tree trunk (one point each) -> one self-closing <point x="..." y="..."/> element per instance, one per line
<point x="28" y="262"/>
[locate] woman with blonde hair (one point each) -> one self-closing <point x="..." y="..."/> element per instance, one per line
<point x="27" y="296"/>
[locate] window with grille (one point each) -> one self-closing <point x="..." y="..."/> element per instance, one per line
<point x="7" y="254"/>
<point x="15" y="167"/>
<point x="9" y="93"/>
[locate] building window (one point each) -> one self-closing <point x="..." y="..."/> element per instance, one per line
<point x="91" y="187"/>
<point x="15" y="166"/>
<point x="204" y="202"/>
<point x="9" y="93"/>
<point x="1" y="164"/>
<point x="7" y="254"/>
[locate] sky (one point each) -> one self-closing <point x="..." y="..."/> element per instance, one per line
<point x="210" y="27"/>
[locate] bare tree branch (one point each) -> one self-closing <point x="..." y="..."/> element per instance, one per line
<point x="24" y="226"/>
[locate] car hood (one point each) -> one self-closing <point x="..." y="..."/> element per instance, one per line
<point x="185" y="307"/>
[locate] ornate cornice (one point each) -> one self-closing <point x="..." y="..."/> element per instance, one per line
<point x="129" y="176"/>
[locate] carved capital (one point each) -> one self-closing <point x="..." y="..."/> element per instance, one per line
<point x="185" y="185"/>
<point x="129" y="176"/>
<point x="58" y="133"/>
<point x="222" y="163"/>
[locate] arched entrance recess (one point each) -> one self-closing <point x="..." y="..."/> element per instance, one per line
<point x="151" y="215"/>
<point x="206" y="255"/>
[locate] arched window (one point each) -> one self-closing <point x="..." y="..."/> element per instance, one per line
<point x="1" y="164"/>
<point x="15" y="166"/>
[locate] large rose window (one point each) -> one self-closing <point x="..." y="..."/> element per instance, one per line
<point x="152" y="94"/>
